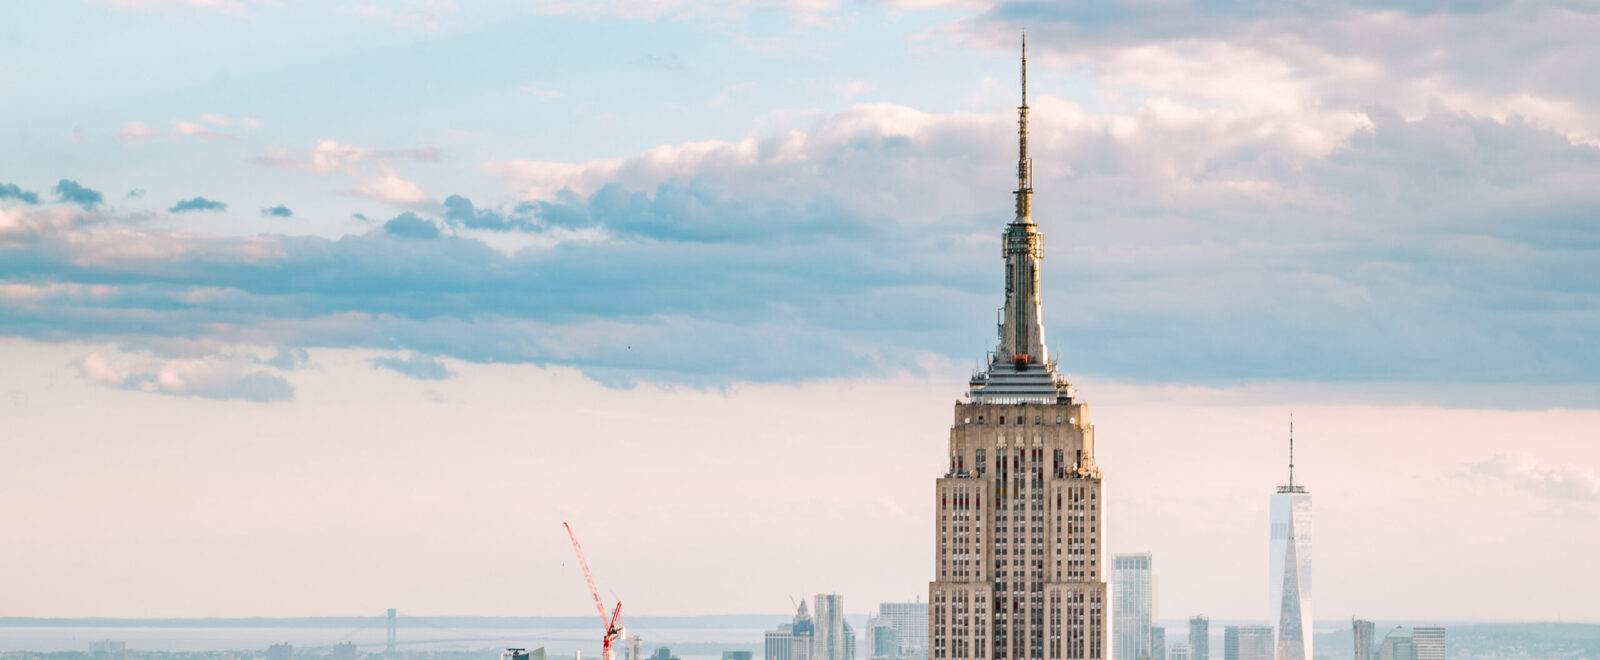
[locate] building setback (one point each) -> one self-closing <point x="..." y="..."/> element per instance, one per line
<point x="1019" y="528"/>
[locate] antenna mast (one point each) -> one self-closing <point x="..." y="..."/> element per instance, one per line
<point x="1024" y="164"/>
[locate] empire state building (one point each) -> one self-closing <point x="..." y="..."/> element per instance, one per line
<point x="1021" y="515"/>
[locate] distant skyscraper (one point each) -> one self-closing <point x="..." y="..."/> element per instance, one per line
<point x="849" y="641"/>
<point x="1428" y="641"/>
<point x="280" y="652"/>
<point x="1179" y="651"/>
<point x="345" y="651"/>
<point x="1289" y="580"/>
<point x="1365" y="644"/>
<point x="1247" y="643"/>
<point x="1199" y="638"/>
<point x="1397" y="645"/>
<point x="1020" y="572"/>
<point x="1158" y="643"/>
<point x="635" y="648"/>
<point x="829" y="642"/>
<point x="909" y="625"/>
<point x="791" y="641"/>
<point x="735" y="655"/>
<point x="1133" y="584"/>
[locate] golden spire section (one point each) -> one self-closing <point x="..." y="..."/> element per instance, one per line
<point x="1024" y="164"/>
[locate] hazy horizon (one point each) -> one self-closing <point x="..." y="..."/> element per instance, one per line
<point x="335" y="307"/>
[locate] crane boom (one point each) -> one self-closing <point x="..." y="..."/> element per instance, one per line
<point x="612" y="625"/>
<point x="598" y="606"/>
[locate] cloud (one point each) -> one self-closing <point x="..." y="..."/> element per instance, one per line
<point x="136" y="132"/>
<point x="279" y="211"/>
<point x="69" y="191"/>
<point x="208" y="378"/>
<point x="1524" y="472"/>
<point x="421" y="15"/>
<point x="409" y="225"/>
<point x="459" y="210"/>
<point x="391" y="189"/>
<point x="668" y="62"/>
<point x="198" y="204"/>
<point x="1290" y="58"/>
<point x="136" y="193"/>
<point x="287" y="358"/>
<point x="420" y="367"/>
<point x="12" y="191"/>
<point x="331" y="156"/>
<point x="1184" y="244"/>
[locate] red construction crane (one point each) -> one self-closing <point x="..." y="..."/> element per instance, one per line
<point x="612" y="625"/>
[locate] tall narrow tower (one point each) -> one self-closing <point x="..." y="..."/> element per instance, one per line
<point x="1021" y="507"/>
<point x="1289" y="580"/>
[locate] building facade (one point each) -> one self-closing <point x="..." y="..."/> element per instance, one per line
<point x="1019" y="528"/>
<point x="1179" y="651"/>
<point x="1428" y="642"/>
<point x="1133" y="587"/>
<point x="1158" y="640"/>
<point x="1397" y="645"/>
<point x="791" y="641"/>
<point x="900" y="630"/>
<point x="1364" y="634"/>
<point x="1199" y="637"/>
<point x="1247" y="643"/>
<point x="1289" y="577"/>
<point x="829" y="640"/>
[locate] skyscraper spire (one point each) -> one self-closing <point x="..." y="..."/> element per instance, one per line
<point x="1291" y="450"/>
<point x="1024" y="164"/>
<point x="1291" y="487"/>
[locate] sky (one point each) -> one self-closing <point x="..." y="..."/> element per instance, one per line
<point x="319" y="308"/>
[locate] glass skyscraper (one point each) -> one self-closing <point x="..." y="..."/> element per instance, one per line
<point x="1289" y="580"/>
<point x="1133" y="606"/>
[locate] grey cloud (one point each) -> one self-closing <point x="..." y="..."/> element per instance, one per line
<point x="69" y="191"/>
<point x="410" y="225"/>
<point x="1209" y="253"/>
<point x="1490" y="57"/>
<point x="420" y="367"/>
<point x="279" y="211"/>
<point x="669" y="62"/>
<point x="1526" y="473"/>
<point x="208" y="378"/>
<point x="198" y="204"/>
<point x="287" y="358"/>
<point x="12" y="191"/>
<point x="136" y="193"/>
<point x="459" y="210"/>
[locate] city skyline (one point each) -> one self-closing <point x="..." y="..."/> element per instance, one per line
<point x="373" y="297"/>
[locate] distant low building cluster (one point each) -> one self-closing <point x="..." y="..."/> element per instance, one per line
<point x="826" y="637"/>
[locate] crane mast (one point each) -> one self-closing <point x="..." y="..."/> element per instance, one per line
<point x="613" y="624"/>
